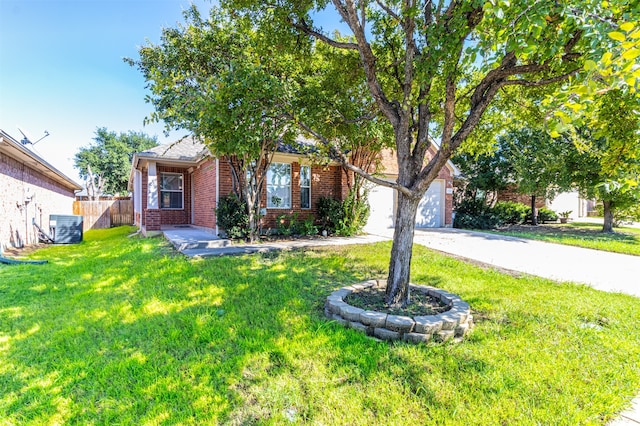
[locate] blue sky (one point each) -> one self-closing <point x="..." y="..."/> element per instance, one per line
<point x="62" y="69"/>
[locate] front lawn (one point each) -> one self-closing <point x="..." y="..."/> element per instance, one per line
<point x="624" y="240"/>
<point x="121" y="330"/>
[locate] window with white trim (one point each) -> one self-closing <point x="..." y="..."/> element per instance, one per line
<point x="171" y="191"/>
<point x="305" y="187"/>
<point x="279" y="186"/>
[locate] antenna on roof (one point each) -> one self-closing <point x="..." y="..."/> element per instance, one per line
<point x="26" y="140"/>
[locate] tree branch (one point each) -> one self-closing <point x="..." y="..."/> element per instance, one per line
<point x="537" y="83"/>
<point x="389" y="11"/>
<point x="318" y="35"/>
<point x="337" y="155"/>
<point x="368" y="59"/>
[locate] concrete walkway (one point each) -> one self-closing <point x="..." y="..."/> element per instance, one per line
<point x="604" y="271"/>
<point x="194" y="242"/>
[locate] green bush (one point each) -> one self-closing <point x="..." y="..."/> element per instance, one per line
<point x="474" y="214"/>
<point x="290" y="225"/>
<point x="286" y="224"/>
<point x="344" y="218"/>
<point x="232" y="216"/>
<point x="308" y="227"/>
<point x="329" y="213"/>
<point x="546" y="215"/>
<point x="510" y="213"/>
<point x="355" y="213"/>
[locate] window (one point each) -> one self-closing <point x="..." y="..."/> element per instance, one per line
<point x="171" y="193"/>
<point x="305" y="187"/>
<point x="279" y="186"/>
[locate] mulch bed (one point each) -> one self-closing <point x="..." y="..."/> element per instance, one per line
<point x="372" y="299"/>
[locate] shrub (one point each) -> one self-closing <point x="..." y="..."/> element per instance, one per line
<point x="329" y="213"/>
<point x="546" y="215"/>
<point x="355" y="212"/>
<point x="232" y="216"/>
<point x="344" y="218"/>
<point x="290" y="225"/>
<point x="308" y="227"/>
<point x="510" y="213"/>
<point x="286" y="224"/>
<point x="474" y="214"/>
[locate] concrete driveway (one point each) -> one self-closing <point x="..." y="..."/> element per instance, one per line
<point x="605" y="271"/>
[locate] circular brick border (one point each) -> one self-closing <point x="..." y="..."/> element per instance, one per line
<point x="452" y="324"/>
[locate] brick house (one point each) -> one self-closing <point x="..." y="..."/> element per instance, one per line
<point x="30" y="190"/>
<point x="181" y="183"/>
<point x="435" y="209"/>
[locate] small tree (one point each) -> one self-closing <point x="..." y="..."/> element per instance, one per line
<point x="105" y="164"/>
<point x="536" y="164"/>
<point x="211" y="77"/>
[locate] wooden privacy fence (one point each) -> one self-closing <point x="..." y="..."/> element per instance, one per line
<point x="105" y="213"/>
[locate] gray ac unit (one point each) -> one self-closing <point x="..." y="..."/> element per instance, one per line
<point x="65" y="229"/>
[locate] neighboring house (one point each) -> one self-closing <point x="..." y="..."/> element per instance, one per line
<point x="30" y="190"/>
<point x="511" y="194"/>
<point x="573" y="202"/>
<point x="562" y="202"/>
<point x="181" y="184"/>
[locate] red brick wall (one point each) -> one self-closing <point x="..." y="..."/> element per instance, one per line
<point x="144" y="185"/>
<point x="325" y="181"/>
<point x="48" y="197"/>
<point x="153" y="221"/>
<point x="204" y="193"/>
<point x="510" y="194"/>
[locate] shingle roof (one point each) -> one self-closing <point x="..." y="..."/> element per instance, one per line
<point x="190" y="149"/>
<point x="187" y="149"/>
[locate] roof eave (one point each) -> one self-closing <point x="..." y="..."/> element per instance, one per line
<point x="16" y="150"/>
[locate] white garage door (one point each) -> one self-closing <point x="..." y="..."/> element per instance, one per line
<point x="430" y="209"/>
<point x="381" y="201"/>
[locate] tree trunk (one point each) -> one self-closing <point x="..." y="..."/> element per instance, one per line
<point x="397" y="293"/>
<point x="608" y="217"/>
<point x="253" y="206"/>
<point x="534" y="213"/>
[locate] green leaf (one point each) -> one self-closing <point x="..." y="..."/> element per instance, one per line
<point x="617" y="35"/>
<point x="590" y="65"/>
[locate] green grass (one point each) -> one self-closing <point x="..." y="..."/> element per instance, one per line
<point x="624" y="240"/>
<point x="120" y="330"/>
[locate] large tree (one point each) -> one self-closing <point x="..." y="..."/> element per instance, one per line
<point x="606" y="162"/>
<point x="215" y="77"/>
<point x="434" y="67"/>
<point x="106" y="163"/>
<point x="243" y="92"/>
